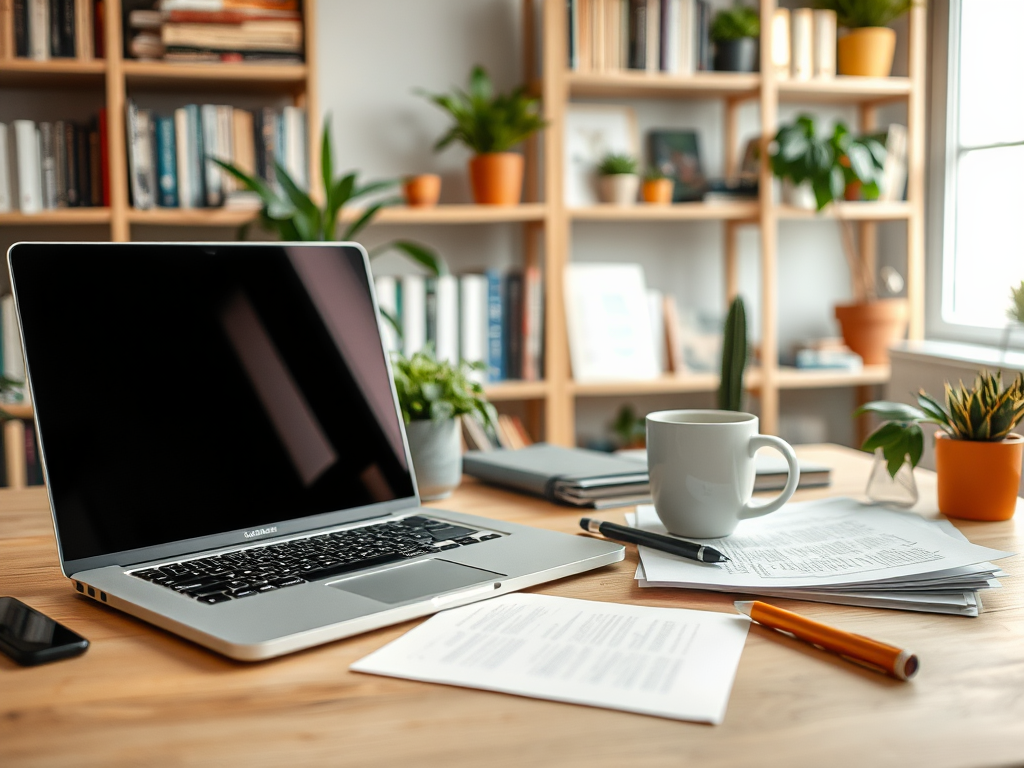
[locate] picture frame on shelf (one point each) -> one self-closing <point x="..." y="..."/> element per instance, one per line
<point x="676" y="153"/>
<point x="593" y="131"/>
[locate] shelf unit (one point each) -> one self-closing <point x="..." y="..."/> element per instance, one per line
<point x="558" y="86"/>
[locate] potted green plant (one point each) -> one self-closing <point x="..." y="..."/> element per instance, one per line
<point x="868" y="47"/>
<point x="735" y="33"/>
<point x="977" y="458"/>
<point x="490" y="125"/>
<point x="630" y="430"/>
<point x="823" y="167"/>
<point x="433" y="395"/>
<point x="657" y="187"/>
<point x="618" y="181"/>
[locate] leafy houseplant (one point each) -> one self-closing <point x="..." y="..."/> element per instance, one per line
<point x="618" y="181"/>
<point x="630" y="429"/>
<point x="977" y="458"/>
<point x="735" y="32"/>
<point x="433" y="394"/>
<point x="827" y="164"/>
<point x="490" y="125"/>
<point x="868" y="48"/>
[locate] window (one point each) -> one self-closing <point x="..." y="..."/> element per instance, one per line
<point x="980" y="237"/>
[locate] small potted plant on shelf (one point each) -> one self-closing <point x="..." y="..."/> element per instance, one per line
<point x="977" y="458"/>
<point x="630" y="430"/>
<point x="422" y="190"/>
<point x="617" y="179"/>
<point x="735" y="33"/>
<point x="657" y="187"/>
<point x="1015" y="314"/>
<point x="823" y="167"/>
<point x="490" y="125"/>
<point x="868" y="47"/>
<point x="433" y="395"/>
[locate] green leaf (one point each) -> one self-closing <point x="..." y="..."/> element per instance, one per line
<point x="356" y="226"/>
<point x="326" y="162"/>
<point x="257" y="185"/>
<point x="422" y="256"/>
<point x="891" y="411"/>
<point x="895" y="454"/>
<point x="915" y="443"/>
<point x="890" y="433"/>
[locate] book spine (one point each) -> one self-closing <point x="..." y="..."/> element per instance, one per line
<point x="19" y="20"/>
<point x="430" y="305"/>
<point x="48" y="165"/>
<point x="495" y="329"/>
<point x="533" y="325"/>
<point x="413" y="300"/>
<point x="99" y="41"/>
<point x="824" y="43"/>
<point x="181" y="152"/>
<point x="30" y="195"/>
<point x="473" y="321"/>
<point x="513" y="325"/>
<point x="572" y="44"/>
<point x="267" y="143"/>
<point x="70" y="166"/>
<point x="82" y="161"/>
<point x="703" y="35"/>
<point x="687" y="37"/>
<point x="780" y="43"/>
<point x="667" y="39"/>
<point x="447" y="318"/>
<point x="60" y="146"/>
<point x="83" y="30"/>
<point x="801" y="37"/>
<point x="95" y="171"/>
<point x="167" y="163"/>
<point x="39" y="29"/>
<point x="224" y="148"/>
<point x="386" y="288"/>
<point x="65" y="29"/>
<point x="294" y="141"/>
<point x="211" y="149"/>
<point x="196" y="153"/>
<point x="242" y="148"/>
<point x="53" y="11"/>
<point x="653" y="36"/>
<point x="6" y="201"/>
<point x="638" y="34"/>
<point x="104" y="156"/>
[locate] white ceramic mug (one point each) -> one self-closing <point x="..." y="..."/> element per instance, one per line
<point x="701" y="465"/>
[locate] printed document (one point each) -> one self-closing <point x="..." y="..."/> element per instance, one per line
<point x="667" y="662"/>
<point x="818" y="544"/>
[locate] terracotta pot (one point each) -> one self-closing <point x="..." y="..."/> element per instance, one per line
<point x="496" y="178"/>
<point x="422" y="190"/>
<point x="618" y="188"/>
<point x="870" y="329"/>
<point x="867" y="52"/>
<point x="657" y="191"/>
<point x="977" y="480"/>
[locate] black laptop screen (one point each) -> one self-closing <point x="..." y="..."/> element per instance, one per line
<point x="185" y="390"/>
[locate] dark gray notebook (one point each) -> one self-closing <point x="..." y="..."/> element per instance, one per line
<point x="538" y="468"/>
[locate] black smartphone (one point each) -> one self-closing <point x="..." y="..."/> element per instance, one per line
<point x="31" y="638"/>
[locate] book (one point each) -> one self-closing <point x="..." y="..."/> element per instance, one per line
<point x="512" y="323"/>
<point x="48" y="165"/>
<point x="802" y="43"/>
<point x="211" y="148"/>
<point x="703" y="34"/>
<point x="82" y="162"/>
<point x="60" y="145"/>
<point x="70" y="166"/>
<point x="95" y="172"/>
<point x="495" y="327"/>
<point x="637" y="34"/>
<point x="386" y="288"/>
<point x="26" y="150"/>
<point x="533" y="325"/>
<point x="39" y="29"/>
<point x="7" y="201"/>
<point x="413" y="308"/>
<point x="677" y="155"/>
<point x="473" y="321"/>
<point x="284" y="35"/>
<point x="10" y="341"/>
<point x="104" y="158"/>
<point x="293" y="144"/>
<point x="84" y="30"/>
<point x="780" y="43"/>
<point x="19" y="22"/>
<point x="824" y="43"/>
<point x="446" y="318"/>
<point x="608" y="322"/>
<point x="652" y="58"/>
<point x="138" y="137"/>
<point x="167" y="163"/>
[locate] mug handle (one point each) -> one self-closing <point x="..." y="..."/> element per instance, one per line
<point x="753" y="509"/>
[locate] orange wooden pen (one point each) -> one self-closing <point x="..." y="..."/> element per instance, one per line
<point x="899" y="663"/>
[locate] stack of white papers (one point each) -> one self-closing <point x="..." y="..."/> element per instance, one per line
<point x="836" y="551"/>
<point x="668" y="662"/>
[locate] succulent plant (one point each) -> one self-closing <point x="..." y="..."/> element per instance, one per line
<point x="985" y="412"/>
<point x="612" y="165"/>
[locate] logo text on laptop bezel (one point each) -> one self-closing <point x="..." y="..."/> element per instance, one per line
<point x="256" y="532"/>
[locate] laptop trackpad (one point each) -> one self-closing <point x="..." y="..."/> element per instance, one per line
<point x="426" y="578"/>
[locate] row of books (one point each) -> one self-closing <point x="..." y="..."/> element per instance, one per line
<point x="804" y="43"/>
<point x="169" y="156"/>
<point x="50" y="165"/>
<point x="493" y="317"/>
<point x="216" y="30"/>
<point x="670" y="36"/>
<point x="52" y="29"/>
<point x="507" y="433"/>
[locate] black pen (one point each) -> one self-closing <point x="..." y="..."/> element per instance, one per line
<point x="673" y="546"/>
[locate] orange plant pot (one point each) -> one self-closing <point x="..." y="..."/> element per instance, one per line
<point x="870" y="329"/>
<point x="977" y="480"/>
<point x="496" y="178"/>
<point x="866" y="52"/>
<point x="657" y="191"/>
<point x="422" y="191"/>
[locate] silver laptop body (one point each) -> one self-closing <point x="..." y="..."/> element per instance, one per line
<point x="213" y="415"/>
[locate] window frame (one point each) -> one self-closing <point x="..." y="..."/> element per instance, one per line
<point x="943" y="154"/>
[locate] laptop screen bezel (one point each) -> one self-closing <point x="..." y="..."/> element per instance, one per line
<point x="228" y="539"/>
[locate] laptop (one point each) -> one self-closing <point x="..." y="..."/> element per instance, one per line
<point x="224" y="453"/>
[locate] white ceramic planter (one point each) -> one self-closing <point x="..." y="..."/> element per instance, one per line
<point x="619" y="188"/>
<point x="799" y="195"/>
<point x="436" y="457"/>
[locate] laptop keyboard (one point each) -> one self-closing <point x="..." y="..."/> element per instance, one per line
<point x="248" y="572"/>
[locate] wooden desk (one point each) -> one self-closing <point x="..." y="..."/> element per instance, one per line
<point x="140" y="696"/>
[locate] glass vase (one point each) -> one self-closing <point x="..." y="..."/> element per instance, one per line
<point x="899" y="491"/>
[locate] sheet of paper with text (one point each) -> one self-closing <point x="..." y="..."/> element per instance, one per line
<point x="667" y="662"/>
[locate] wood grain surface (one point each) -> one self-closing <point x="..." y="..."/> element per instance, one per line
<point x="143" y="697"/>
